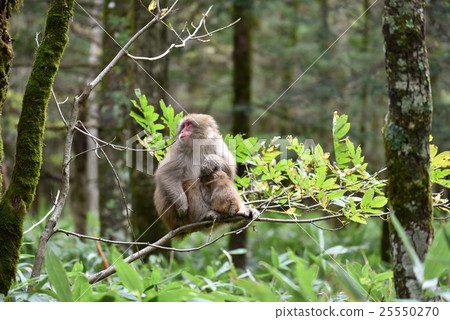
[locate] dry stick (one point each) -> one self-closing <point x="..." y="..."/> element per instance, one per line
<point x="201" y="225"/>
<point x="190" y="227"/>
<point x="71" y="127"/>
<point x="189" y="37"/>
<point x="49" y="228"/>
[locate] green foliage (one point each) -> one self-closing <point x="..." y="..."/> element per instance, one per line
<point x="437" y="262"/>
<point x="308" y="172"/>
<point x="146" y="116"/>
<point x="342" y="186"/>
<point x="342" y="266"/>
<point x="58" y="277"/>
<point x="440" y="166"/>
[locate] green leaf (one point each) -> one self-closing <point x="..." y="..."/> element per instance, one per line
<point x="259" y="290"/>
<point x="442" y="160"/>
<point x="57" y="276"/>
<point x="437" y="261"/>
<point x="340" y="126"/>
<point x="349" y="280"/>
<point x="358" y="219"/>
<point x="156" y="275"/>
<point x="336" y="194"/>
<point x="378" y="202"/>
<point x="82" y="289"/>
<point x="306" y="277"/>
<point x="280" y="276"/>
<point x="274" y="258"/>
<point x="367" y="199"/>
<point x="129" y="277"/>
<point x="195" y="279"/>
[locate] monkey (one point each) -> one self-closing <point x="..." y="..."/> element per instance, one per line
<point x="210" y="197"/>
<point x="224" y="197"/>
<point x="198" y="151"/>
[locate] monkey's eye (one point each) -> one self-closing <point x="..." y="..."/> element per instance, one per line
<point x="187" y="125"/>
<point x="186" y="129"/>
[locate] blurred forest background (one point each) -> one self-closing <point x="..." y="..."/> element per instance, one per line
<point x="286" y="38"/>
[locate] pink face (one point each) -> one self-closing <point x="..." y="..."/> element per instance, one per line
<point x="186" y="130"/>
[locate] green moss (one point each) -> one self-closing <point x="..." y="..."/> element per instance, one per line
<point x="30" y="131"/>
<point x="396" y="136"/>
<point x="406" y="135"/>
<point x="11" y="228"/>
<point x="6" y="56"/>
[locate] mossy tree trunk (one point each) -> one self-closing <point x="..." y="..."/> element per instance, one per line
<point x="406" y="137"/>
<point x="6" y="56"/>
<point x="242" y="73"/>
<point x="20" y="193"/>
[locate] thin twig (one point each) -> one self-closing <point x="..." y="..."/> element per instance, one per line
<point x="45" y="217"/>
<point x="72" y="126"/>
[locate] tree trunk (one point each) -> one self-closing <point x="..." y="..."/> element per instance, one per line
<point x="115" y="92"/>
<point x="242" y="66"/>
<point x="151" y="78"/>
<point x="79" y="179"/>
<point x="406" y="137"/>
<point x="85" y="193"/>
<point x="93" y="115"/>
<point x="242" y="92"/>
<point x="6" y="56"/>
<point x="30" y="130"/>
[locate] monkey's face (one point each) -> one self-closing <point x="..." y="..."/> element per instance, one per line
<point x="194" y="126"/>
<point x="186" y="129"/>
<point x="185" y="135"/>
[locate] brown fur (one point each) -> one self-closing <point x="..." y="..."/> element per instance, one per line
<point x="182" y="163"/>
<point x="210" y="197"/>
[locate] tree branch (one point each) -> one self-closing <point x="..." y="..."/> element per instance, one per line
<point x="71" y="127"/>
<point x="199" y="226"/>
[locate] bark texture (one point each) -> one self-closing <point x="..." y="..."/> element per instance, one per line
<point x="6" y="56"/>
<point x="406" y="137"/>
<point x="242" y="70"/>
<point x="242" y="73"/>
<point x="20" y="193"/>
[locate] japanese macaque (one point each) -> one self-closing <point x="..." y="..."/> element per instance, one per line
<point x="211" y="197"/>
<point x="200" y="156"/>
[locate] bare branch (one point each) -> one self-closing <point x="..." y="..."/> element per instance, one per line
<point x="71" y="127"/>
<point x="45" y="217"/>
<point x="199" y="226"/>
<point x="190" y="36"/>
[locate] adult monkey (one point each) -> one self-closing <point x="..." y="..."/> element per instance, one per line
<point x="199" y="150"/>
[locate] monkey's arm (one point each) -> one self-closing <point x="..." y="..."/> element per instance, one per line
<point x="169" y="181"/>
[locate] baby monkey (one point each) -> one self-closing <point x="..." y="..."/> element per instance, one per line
<point x="210" y="197"/>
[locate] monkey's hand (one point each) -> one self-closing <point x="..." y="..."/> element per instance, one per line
<point x="251" y="213"/>
<point x="213" y="215"/>
<point x="211" y="163"/>
<point x="181" y="205"/>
